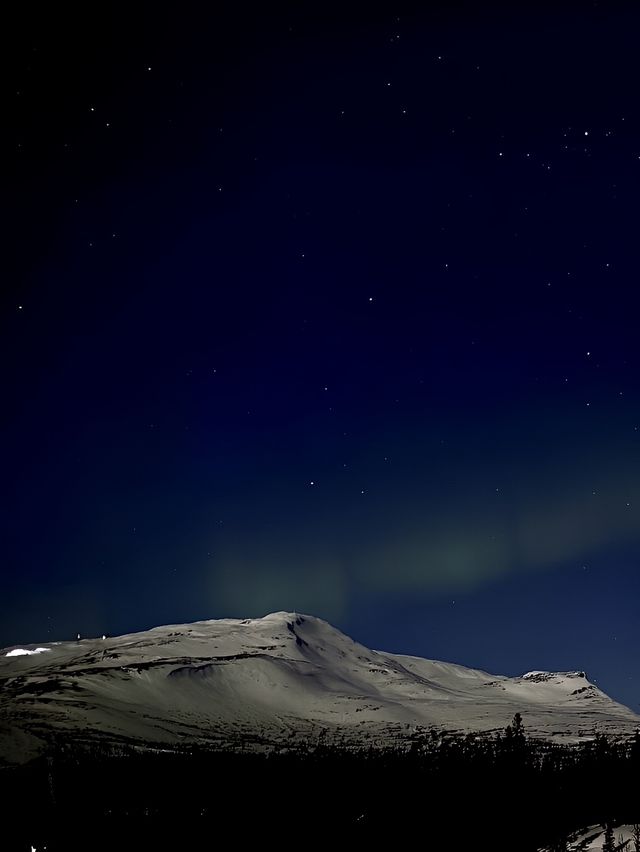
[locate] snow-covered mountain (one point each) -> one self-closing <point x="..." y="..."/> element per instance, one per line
<point x="281" y="678"/>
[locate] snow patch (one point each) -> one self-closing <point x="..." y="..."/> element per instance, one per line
<point x="21" y="652"/>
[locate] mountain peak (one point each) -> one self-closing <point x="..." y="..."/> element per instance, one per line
<point x="541" y="676"/>
<point x="283" y="616"/>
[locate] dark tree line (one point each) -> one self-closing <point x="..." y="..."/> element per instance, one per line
<point x="505" y="792"/>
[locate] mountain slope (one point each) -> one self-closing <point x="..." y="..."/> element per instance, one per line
<point x="281" y="678"/>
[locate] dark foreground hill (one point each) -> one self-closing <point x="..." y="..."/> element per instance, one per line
<point x="504" y="792"/>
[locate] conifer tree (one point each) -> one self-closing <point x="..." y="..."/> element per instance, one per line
<point x="518" y="728"/>
<point x="636" y="837"/>
<point x="609" y="842"/>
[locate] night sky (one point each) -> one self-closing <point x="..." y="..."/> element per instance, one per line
<point x="326" y="310"/>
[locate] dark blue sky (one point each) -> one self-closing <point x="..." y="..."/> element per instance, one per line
<point x="327" y="311"/>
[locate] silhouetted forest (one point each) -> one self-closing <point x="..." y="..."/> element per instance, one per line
<point x="506" y="792"/>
